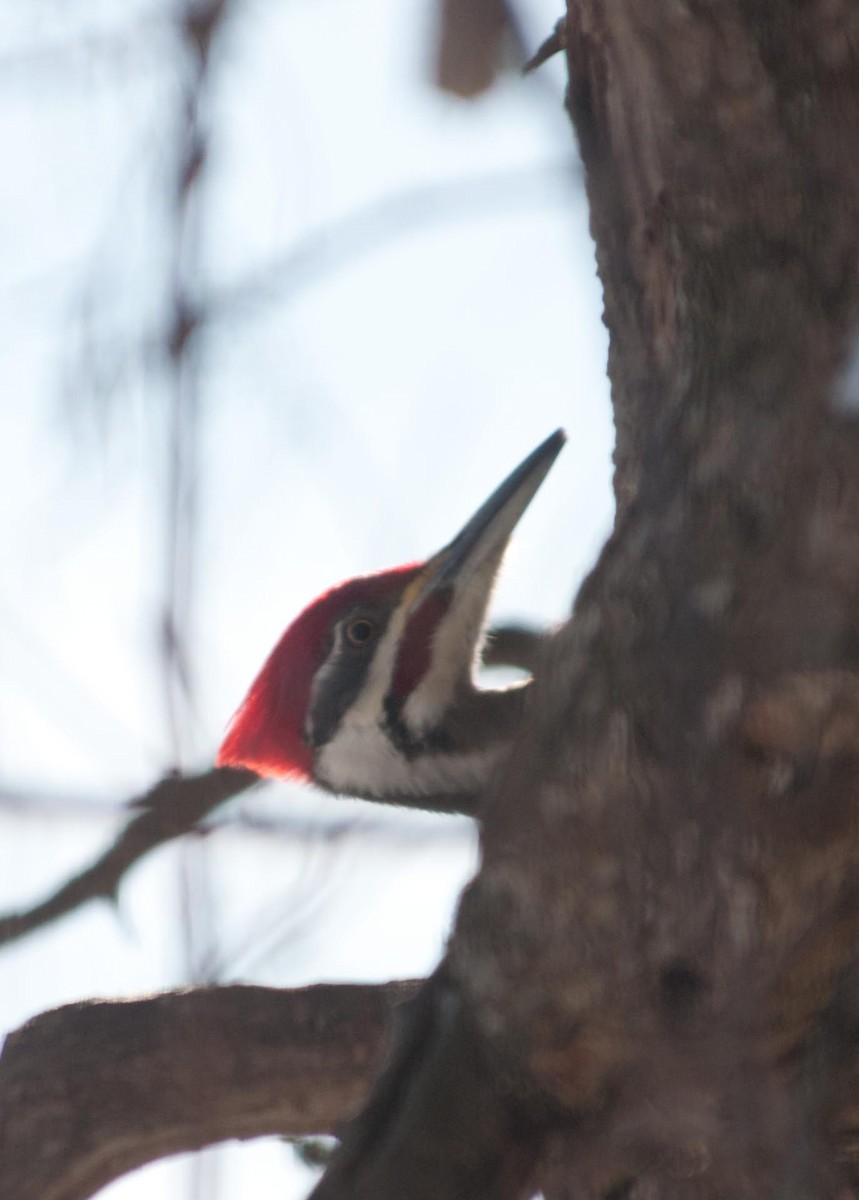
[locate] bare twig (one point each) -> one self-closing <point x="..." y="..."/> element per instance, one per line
<point x="554" y="44"/>
<point x="333" y="248"/>
<point x="90" y="1091"/>
<point x="198" y="22"/>
<point x="513" y="646"/>
<point x="173" y="807"/>
<point x="380" y="222"/>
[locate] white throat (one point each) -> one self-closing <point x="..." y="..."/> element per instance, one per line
<point x="362" y="760"/>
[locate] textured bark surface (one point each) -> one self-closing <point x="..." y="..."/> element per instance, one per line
<point x="93" y="1090"/>
<point x="668" y="902"/>
<point x="651" y="989"/>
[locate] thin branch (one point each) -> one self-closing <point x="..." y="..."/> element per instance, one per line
<point x="92" y="1090"/>
<point x="198" y="23"/>
<point x="173" y="807"/>
<point x="379" y="222"/>
<point x="513" y="646"/>
<point x="322" y="253"/>
<point x="554" y="44"/>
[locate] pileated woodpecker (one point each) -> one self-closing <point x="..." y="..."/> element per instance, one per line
<point x="370" y="690"/>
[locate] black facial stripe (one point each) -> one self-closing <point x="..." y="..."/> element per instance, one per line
<point x="432" y="742"/>
<point x="346" y="673"/>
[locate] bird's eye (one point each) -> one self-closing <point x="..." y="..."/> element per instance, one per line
<point x="360" y="631"/>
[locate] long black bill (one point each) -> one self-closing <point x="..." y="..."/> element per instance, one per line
<point x="486" y="535"/>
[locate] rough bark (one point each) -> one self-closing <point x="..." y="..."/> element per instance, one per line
<point x="658" y="947"/>
<point x="651" y="987"/>
<point x="660" y="942"/>
<point x="93" y="1090"/>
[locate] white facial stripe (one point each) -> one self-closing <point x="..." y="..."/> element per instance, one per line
<point x="456" y="642"/>
<point x="369" y="706"/>
<point x="361" y="757"/>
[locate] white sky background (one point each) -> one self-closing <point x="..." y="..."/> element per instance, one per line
<point x="443" y="317"/>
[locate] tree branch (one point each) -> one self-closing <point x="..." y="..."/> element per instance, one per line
<point x="513" y="646"/>
<point x="90" y="1091"/>
<point x="173" y="807"/>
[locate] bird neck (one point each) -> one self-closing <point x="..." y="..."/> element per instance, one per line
<point x="443" y="767"/>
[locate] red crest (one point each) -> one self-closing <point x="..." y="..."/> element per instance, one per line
<point x="265" y="735"/>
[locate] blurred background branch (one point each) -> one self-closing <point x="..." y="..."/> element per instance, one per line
<point x="262" y="298"/>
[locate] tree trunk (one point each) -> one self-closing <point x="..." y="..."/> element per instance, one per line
<point x="660" y="936"/>
<point x="651" y="988"/>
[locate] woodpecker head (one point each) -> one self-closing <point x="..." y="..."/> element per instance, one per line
<point x="370" y="690"/>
